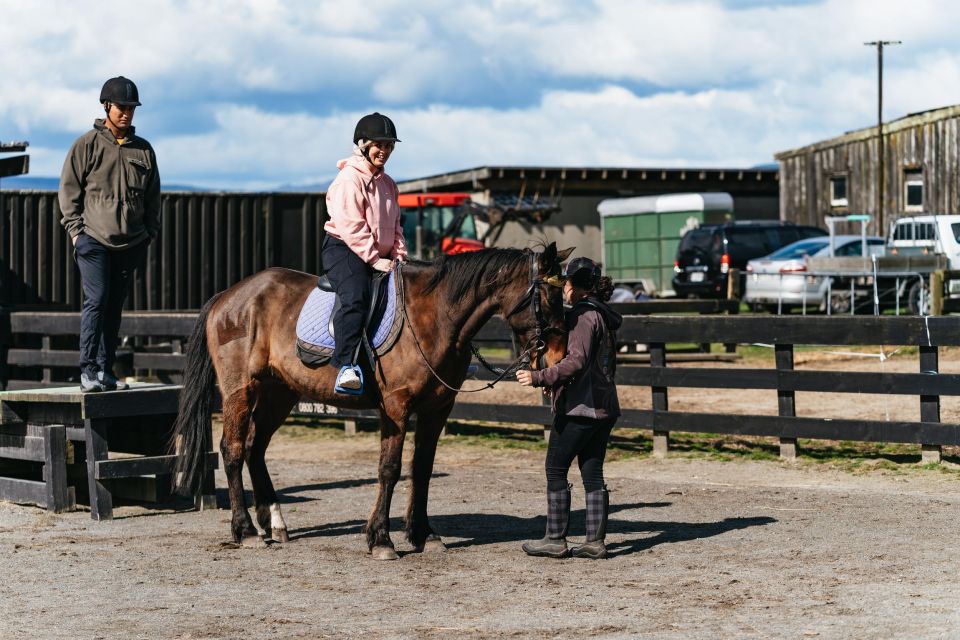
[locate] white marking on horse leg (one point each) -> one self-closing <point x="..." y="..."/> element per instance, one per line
<point x="277" y="525"/>
<point x="276" y="518"/>
<point x="256" y="525"/>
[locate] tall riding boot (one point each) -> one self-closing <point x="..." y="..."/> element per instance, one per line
<point x="554" y="544"/>
<point x="598" y="507"/>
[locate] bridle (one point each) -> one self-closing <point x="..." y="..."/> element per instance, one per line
<point x="530" y="298"/>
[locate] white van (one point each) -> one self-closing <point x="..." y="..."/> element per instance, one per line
<point x="928" y="235"/>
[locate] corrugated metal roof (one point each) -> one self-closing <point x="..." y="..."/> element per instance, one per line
<point x="471" y="179"/>
<point x="907" y="121"/>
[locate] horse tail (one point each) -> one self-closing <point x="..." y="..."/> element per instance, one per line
<point x="191" y="432"/>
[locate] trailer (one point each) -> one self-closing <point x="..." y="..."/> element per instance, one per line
<point x="641" y="235"/>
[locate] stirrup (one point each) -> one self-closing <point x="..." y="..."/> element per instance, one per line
<point x="346" y="390"/>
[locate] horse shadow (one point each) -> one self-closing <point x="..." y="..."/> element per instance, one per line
<point x="290" y="494"/>
<point x="480" y="529"/>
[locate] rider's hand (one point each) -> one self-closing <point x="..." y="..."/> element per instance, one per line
<point x="525" y="377"/>
<point x="383" y="264"/>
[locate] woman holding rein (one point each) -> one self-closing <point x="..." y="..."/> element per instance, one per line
<point x="363" y="235"/>
<point x="585" y="407"/>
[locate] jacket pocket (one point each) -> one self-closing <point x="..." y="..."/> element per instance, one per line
<point x="137" y="171"/>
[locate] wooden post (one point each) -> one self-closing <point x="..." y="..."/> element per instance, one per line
<point x="786" y="400"/>
<point x="207" y="498"/>
<point x="929" y="405"/>
<point x="60" y="497"/>
<point x="350" y="427"/>
<point x="936" y="293"/>
<point x="6" y="337"/>
<point x="95" y="435"/>
<point x="733" y="284"/>
<point x="661" y="439"/>
<point x="45" y="348"/>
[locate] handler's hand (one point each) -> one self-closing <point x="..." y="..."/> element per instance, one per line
<point x="383" y="264"/>
<point x="525" y="377"/>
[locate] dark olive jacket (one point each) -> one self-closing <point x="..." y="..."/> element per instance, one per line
<point x="582" y="384"/>
<point x="109" y="191"/>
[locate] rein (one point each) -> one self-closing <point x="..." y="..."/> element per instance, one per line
<point x="532" y="295"/>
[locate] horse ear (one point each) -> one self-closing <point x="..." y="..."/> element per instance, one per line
<point x="563" y="254"/>
<point x="549" y="255"/>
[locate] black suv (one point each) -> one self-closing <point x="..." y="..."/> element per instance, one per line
<point x="706" y="254"/>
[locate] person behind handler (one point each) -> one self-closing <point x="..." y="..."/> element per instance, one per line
<point x="364" y="234"/>
<point x="110" y="200"/>
<point x="585" y="406"/>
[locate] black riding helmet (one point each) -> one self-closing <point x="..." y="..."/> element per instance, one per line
<point x="120" y="91"/>
<point x="375" y="126"/>
<point x="582" y="272"/>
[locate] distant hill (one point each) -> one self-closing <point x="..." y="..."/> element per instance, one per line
<point x="52" y="184"/>
<point x="303" y="188"/>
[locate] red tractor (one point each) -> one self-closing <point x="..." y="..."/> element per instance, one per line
<point x="452" y="223"/>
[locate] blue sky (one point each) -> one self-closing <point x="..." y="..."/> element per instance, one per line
<point x="260" y="93"/>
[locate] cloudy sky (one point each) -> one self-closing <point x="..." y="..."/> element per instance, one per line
<point x="253" y="94"/>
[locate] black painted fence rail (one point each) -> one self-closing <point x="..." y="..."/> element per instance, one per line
<point x="781" y="333"/>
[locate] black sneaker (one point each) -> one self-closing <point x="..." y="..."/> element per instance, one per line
<point x="110" y="382"/>
<point x="89" y="383"/>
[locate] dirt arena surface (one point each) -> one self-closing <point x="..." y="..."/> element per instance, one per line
<point x="700" y="548"/>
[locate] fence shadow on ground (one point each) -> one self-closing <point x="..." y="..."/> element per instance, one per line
<point x="348" y="483"/>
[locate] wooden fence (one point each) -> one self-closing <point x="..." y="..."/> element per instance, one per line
<point x="927" y="334"/>
<point x="208" y="241"/>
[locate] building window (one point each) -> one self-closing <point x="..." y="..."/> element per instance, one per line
<point x="913" y="190"/>
<point x="838" y="191"/>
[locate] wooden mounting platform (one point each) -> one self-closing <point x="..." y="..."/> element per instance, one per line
<point x="136" y="423"/>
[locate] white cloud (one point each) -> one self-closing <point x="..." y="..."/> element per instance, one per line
<point x="561" y="82"/>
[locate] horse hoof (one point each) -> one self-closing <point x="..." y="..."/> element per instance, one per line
<point x="384" y="553"/>
<point x="279" y="535"/>
<point x="434" y="544"/>
<point x="254" y="542"/>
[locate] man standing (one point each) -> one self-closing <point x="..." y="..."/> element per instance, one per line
<point x="110" y="200"/>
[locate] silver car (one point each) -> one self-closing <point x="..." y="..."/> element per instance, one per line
<point x="779" y="280"/>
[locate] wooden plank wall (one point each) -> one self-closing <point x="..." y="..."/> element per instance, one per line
<point x="207" y="243"/>
<point x="932" y="147"/>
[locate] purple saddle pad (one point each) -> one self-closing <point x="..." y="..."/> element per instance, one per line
<point x="314" y="325"/>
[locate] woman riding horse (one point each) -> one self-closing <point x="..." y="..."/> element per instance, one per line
<point x="244" y="341"/>
<point x="364" y="235"/>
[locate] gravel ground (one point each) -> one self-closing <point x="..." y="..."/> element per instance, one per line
<point x="701" y="549"/>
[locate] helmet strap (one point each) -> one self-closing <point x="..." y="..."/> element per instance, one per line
<point x="123" y="130"/>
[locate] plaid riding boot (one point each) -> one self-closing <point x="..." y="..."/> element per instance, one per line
<point x="598" y="507"/>
<point x="554" y="544"/>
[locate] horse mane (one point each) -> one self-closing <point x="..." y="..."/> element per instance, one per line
<point x="464" y="272"/>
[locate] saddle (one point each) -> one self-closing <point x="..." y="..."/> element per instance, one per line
<point x="315" y="331"/>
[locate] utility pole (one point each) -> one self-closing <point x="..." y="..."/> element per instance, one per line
<point x="880" y="44"/>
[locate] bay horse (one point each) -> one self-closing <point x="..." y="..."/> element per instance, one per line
<point x="245" y="338"/>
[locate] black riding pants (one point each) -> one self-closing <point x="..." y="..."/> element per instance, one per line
<point x="584" y="439"/>
<point x="105" y="276"/>
<point x="351" y="278"/>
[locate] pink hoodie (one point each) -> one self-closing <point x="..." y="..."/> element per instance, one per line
<point x="364" y="211"/>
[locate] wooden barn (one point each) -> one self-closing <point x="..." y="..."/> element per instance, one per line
<point x="839" y="176"/>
